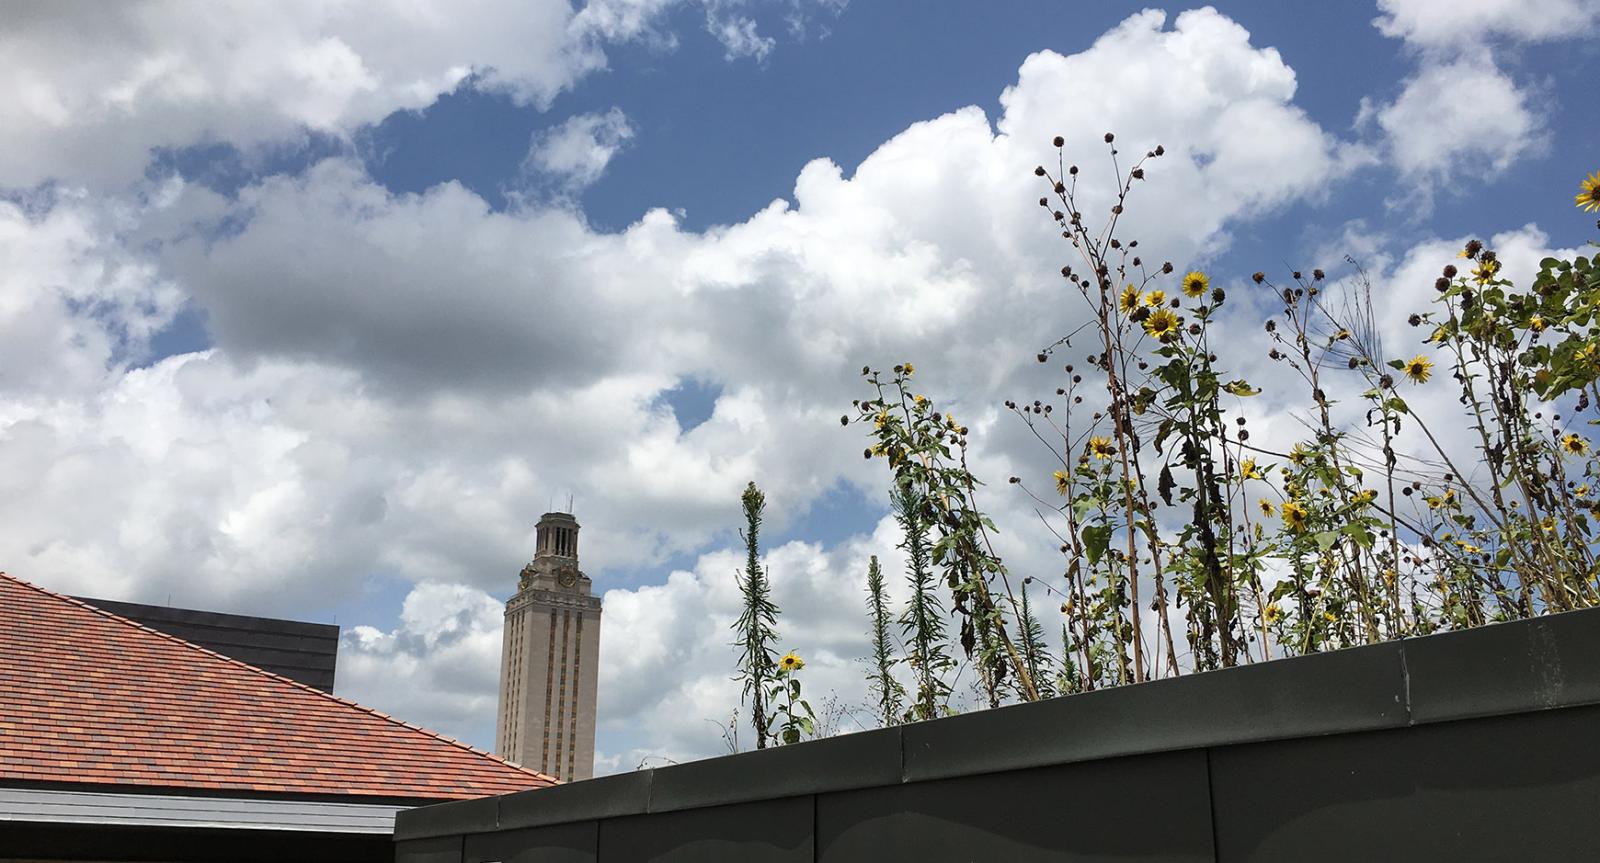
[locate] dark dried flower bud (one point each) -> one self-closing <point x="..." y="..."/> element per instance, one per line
<point x="1244" y="434"/>
<point x="1039" y="171"/>
<point x="1218" y="296"/>
<point x="1194" y="329"/>
<point x="1258" y="277"/>
<point x="1059" y="215"/>
<point x="1272" y="325"/>
<point x="844" y="420"/>
<point x="1042" y="358"/>
<point x="1136" y="261"/>
<point x="1160" y="150"/>
<point x="1058" y="141"/>
<point x="1166" y="267"/>
<point x="1138" y="173"/>
<point x="1073" y="170"/>
<point x="1044" y="202"/>
<point x="1441" y="284"/>
<point x="1387" y="381"/>
<point x="1473" y="248"/>
<point x="1450" y="271"/>
<point x="1297" y="275"/>
<point x="1110" y="137"/>
<point x="866" y="453"/>
<point x="1274" y="354"/>
<point x="1354" y="362"/>
<point x="1060" y="187"/>
<point x="1066" y="272"/>
<point x="1014" y="480"/>
<point x="1317" y="274"/>
<point x="866" y="370"/>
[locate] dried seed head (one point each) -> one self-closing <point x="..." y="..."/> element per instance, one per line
<point x="1258" y="277"/>
<point x="1450" y="271"/>
<point x="1038" y="171"/>
<point x="1110" y="137"/>
<point x="1058" y="141"/>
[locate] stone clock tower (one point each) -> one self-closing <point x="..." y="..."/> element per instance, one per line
<point x="550" y="659"/>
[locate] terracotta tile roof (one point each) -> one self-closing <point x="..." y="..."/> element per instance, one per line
<point x="90" y="697"/>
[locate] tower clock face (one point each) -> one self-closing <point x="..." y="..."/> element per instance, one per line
<point x="567" y="577"/>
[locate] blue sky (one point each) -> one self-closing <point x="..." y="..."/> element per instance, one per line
<point x="323" y="334"/>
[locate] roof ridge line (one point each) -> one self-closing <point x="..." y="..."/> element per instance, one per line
<point x="427" y="732"/>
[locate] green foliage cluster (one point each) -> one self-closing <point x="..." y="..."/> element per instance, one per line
<point x="1186" y="545"/>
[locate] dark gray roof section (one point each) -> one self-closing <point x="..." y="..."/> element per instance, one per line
<point x="307" y="652"/>
<point x="1515" y="668"/>
<point x="43" y="806"/>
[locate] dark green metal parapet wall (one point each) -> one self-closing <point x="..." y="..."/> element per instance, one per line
<point x="1480" y="745"/>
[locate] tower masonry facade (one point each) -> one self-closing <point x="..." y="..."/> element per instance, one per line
<point x="550" y="659"/>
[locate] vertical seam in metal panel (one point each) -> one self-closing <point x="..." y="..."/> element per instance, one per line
<point x="1211" y="807"/>
<point x="816" y="849"/>
<point x="1405" y="684"/>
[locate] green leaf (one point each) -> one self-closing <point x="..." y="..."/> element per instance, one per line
<point x="1242" y="388"/>
<point x="1325" y="539"/>
<point x="1096" y="539"/>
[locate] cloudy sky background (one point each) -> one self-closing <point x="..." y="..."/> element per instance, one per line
<point x="310" y="309"/>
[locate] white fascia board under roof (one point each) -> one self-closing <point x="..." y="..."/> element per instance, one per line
<point x="163" y="810"/>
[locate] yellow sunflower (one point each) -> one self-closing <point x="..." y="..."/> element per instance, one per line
<point x="1536" y="323"/>
<point x="1485" y="271"/>
<point x="1129" y="299"/>
<point x="1419" y="368"/>
<point x="1366" y="496"/>
<point x="910" y="370"/>
<point x="1155" y="298"/>
<point x="1272" y="614"/>
<point x="1588" y="199"/>
<point x="1299" y="454"/>
<point x="791" y="661"/>
<point x="1061" y="482"/>
<point x="1248" y="469"/>
<point x="1195" y="284"/>
<point x="881" y="420"/>
<point x="1574" y="444"/>
<point x="1341" y="335"/>
<point x="1266" y="507"/>
<point x="1294" y="515"/>
<point x="1162" y="322"/>
<point x="1101" y="448"/>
